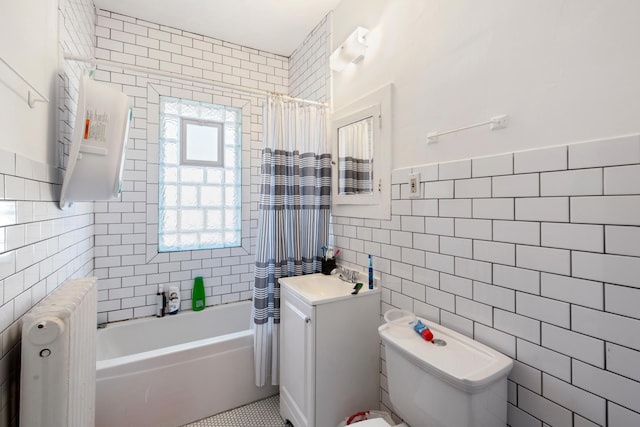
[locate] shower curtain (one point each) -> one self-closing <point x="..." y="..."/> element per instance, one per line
<point x="293" y="219"/>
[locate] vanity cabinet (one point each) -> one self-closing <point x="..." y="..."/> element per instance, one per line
<point x="329" y="357"/>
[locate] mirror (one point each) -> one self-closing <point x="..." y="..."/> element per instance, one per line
<point x="361" y="176"/>
<point x="355" y="157"/>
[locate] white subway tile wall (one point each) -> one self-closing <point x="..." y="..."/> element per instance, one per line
<point x="543" y="265"/>
<point x="41" y="246"/>
<point x="309" y="75"/>
<point x="77" y="33"/>
<point x="127" y="261"/>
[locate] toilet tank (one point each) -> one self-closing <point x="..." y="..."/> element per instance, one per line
<point x="460" y="384"/>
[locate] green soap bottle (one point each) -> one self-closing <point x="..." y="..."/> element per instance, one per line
<point x="197" y="295"/>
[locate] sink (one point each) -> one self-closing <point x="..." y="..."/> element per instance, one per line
<point x="319" y="288"/>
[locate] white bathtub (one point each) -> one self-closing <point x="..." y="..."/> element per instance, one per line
<point x="177" y="369"/>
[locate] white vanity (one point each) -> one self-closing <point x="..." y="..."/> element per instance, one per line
<point x="329" y="350"/>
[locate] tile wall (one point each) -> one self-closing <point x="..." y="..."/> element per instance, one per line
<point x="40" y="245"/>
<point x="77" y="34"/>
<point x="126" y="258"/>
<point x="533" y="253"/>
<point x="309" y="64"/>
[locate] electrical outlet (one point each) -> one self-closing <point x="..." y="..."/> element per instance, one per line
<point x="414" y="185"/>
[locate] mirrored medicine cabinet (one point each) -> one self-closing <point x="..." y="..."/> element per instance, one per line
<point x="361" y="153"/>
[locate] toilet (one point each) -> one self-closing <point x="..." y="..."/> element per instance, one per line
<point x="452" y="381"/>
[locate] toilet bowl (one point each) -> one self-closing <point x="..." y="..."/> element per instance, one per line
<point x="452" y="381"/>
<point x="378" y="422"/>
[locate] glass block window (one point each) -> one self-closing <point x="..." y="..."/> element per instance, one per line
<point x="200" y="147"/>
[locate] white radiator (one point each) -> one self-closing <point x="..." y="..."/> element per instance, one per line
<point x="58" y="374"/>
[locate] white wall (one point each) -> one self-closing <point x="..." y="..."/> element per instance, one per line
<point x="40" y="245"/>
<point x="29" y="42"/>
<point x="564" y="71"/>
<point x="532" y="252"/>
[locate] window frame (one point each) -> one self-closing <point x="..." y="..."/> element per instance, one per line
<point x="183" y="143"/>
<point x="151" y="203"/>
<point x="234" y="163"/>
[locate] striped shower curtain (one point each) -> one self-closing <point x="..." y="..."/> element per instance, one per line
<point x="293" y="221"/>
<point x="355" y="158"/>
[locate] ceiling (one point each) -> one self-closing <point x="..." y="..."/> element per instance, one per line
<point x="276" y="26"/>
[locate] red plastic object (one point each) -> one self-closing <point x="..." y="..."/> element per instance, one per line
<point x="357" y="417"/>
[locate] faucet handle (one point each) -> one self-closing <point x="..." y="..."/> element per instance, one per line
<point x="347" y="275"/>
<point x="354" y="276"/>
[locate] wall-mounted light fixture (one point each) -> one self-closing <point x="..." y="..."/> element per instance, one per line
<point x="352" y="50"/>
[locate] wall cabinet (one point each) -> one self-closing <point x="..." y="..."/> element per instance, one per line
<point x="329" y="358"/>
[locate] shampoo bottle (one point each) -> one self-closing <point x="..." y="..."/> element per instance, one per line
<point x="161" y="302"/>
<point x="370" y="272"/>
<point x="197" y="295"/>
<point x="174" y="300"/>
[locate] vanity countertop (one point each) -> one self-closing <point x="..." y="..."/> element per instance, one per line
<point x="318" y="288"/>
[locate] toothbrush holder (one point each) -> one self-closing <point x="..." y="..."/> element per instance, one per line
<point x="328" y="265"/>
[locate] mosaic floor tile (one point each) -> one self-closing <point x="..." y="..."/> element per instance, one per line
<point x="263" y="413"/>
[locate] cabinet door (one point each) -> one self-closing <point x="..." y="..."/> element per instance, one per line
<point x="297" y="363"/>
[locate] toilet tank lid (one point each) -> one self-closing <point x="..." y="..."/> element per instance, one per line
<point x="464" y="363"/>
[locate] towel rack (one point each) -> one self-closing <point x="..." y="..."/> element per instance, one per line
<point x="31" y="99"/>
<point x="496" y="122"/>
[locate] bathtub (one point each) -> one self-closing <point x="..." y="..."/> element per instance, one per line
<point x="176" y="369"/>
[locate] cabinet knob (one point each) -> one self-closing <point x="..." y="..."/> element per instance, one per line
<point x="307" y="320"/>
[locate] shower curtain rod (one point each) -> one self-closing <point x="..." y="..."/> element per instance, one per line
<point x="95" y="61"/>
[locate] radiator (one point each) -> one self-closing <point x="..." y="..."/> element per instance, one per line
<point x="58" y="373"/>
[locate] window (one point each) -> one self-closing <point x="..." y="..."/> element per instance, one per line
<point x="199" y="175"/>
<point x="202" y="143"/>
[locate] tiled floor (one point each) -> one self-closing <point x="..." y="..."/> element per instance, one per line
<point x="263" y="413"/>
